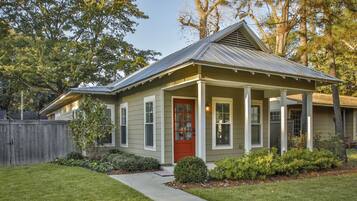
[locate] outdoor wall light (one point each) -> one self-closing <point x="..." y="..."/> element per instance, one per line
<point x="208" y="108"/>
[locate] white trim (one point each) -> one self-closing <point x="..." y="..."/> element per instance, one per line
<point x="247" y="119"/>
<point x="201" y="137"/>
<point x="162" y="126"/>
<point x="260" y="104"/>
<point x="146" y="100"/>
<point x="354" y="124"/>
<point x="268" y="123"/>
<point x="284" y="122"/>
<point x="309" y="115"/>
<point x="124" y="105"/>
<point x="172" y="125"/>
<point x="230" y="102"/>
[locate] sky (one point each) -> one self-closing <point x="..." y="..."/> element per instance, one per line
<point x="161" y="32"/>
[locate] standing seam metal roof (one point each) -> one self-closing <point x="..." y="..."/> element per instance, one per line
<point x="207" y="50"/>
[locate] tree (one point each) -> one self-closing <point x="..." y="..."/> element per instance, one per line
<point x="280" y="17"/>
<point x="331" y="20"/>
<point x="206" y="19"/>
<point x="91" y="123"/>
<point x="58" y="44"/>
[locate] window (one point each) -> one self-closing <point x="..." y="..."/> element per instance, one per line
<point x="275" y="116"/>
<point x="149" y="123"/>
<point x="108" y="140"/>
<point x="222" y="123"/>
<point x="295" y="117"/>
<point x="123" y="124"/>
<point x="257" y="123"/>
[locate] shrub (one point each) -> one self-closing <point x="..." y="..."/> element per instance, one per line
<point x="85" y="163"/>
<point x="75" y="156"/>
<point x="257" y="164"/>
<point x="132" y="163"/>
<point x="190" y="169"/>
<point x="263" y="163"/>
<point x="333" y="143"/>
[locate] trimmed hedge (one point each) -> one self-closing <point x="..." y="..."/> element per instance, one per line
<point x="113" y="160"/>
<point x="191" y="170"/>
<point x="262" y="163"/>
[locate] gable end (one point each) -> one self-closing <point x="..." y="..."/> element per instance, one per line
<point x="238" y="39"/>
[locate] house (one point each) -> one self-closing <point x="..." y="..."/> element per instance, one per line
<point x="323" y="124"/>
<point x="210" y="99"/>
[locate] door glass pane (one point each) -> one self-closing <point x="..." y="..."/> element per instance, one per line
<point x="183" y="121"/>
<point x="255" y="114"/>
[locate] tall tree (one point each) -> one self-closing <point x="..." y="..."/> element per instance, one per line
<point x="206" y="19"/>
<point x="59" y="44"/>
<point x="275" y="25"/>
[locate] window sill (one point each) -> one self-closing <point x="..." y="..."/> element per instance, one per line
<point x="257" y="146"/>
<point x="124" y="145"/>
<point x="150" y="148"/>
<point x="222" y="147"/>
<point x="105" y="145"/>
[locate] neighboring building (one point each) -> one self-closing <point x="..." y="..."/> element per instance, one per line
<point x="323" y="114"/>
<point x="210" y="99"/>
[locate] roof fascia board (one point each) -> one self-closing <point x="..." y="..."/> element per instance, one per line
<point x="55" y="102"/>
<point x="261" y="71"/>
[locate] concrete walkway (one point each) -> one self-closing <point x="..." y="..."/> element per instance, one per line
<point x="153" y="186"/>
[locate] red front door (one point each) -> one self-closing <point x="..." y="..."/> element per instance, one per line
<point x="184" y="128"/>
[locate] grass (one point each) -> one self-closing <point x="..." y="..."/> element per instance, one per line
<point x="53" y="182"/>
<point x="319" y="188"/>
<point x="341" y="187"/>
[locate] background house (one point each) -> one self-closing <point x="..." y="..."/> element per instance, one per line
<point x="324" y="122"/>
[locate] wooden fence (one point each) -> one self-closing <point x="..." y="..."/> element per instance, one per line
<point x="29" y="142"/>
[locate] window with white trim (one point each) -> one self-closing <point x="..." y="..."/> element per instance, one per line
<point x="123" y="120"/>
<point x="222" y="123"/>
<point x="109" y="138"/>
<point x="149" y="123"/>
<point x="257" y="123"/>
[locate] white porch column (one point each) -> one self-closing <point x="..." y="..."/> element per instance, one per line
<point x="201" y="134"/>
<point x="284" y="121"/>
<point x="247" y="119"/>
<point x="309" y="112"/>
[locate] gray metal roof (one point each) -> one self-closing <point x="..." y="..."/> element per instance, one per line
<point x="208" y="51"/>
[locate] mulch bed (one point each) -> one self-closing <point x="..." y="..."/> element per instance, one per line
<point x="232" y="183"/>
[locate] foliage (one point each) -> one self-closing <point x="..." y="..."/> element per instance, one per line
<point x="298" y="141"/>
<point x="113" y="160"/>
<point x="260" y="164"/>
<point x="91" y="123"/>
<point x="94" y="165"/>
<point x="74" y="156"/>
<point x="257" y="164"/>
<point x="190" y="170"/>
<point x="52" y="46"/>
<point x="131" y="163"/>
<point x="333" y="143"/>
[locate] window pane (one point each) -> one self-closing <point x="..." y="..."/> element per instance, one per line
<point x="149" y="115"/>
<point x="123" y="134"/>
<point x="106" y="140"/>
<point x="222" y="134"/>
<point x="256" y="134"/>
<point x="222" y="113"/>
<point x="149" y="135"/>
<point x="123" y="116"/>
<point x="255" y="114"/>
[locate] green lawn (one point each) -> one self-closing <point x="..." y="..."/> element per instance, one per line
<point x="53" y="182"/>
<point x="319" y="188"/>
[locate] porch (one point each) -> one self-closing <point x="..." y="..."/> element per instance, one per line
<point x="213" y="117"/>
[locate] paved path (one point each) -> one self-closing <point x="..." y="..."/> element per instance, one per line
<point x="152" y="186"/>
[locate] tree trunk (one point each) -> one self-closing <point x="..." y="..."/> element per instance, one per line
<point x="304" y="61"/>
<point x="335" y="94"/>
